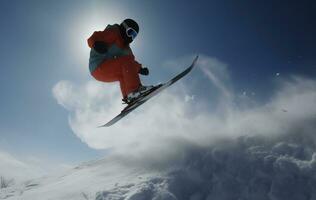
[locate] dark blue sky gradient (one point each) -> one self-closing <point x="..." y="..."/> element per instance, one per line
<point x="256" y="38"/>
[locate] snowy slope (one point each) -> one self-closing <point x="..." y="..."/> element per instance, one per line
<point x="82" y="182"/>
<point x="246" y="168"/>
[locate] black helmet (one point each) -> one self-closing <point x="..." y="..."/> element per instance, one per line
<point x="129" y="30"/>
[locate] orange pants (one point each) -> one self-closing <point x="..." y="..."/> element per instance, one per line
<point x="123" y="69"/>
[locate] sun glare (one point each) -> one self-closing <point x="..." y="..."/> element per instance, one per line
<point x="82" y="28"/>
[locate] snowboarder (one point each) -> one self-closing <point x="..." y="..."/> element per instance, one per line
<point x="111" y="59"/>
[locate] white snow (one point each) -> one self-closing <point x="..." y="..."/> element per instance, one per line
<point x="82" y="182"/>
<point x="250" y="167"/>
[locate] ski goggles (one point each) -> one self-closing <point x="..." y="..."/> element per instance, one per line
<point x="130" y="32"/>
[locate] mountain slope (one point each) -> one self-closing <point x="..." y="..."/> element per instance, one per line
<point x="245" y="168"/>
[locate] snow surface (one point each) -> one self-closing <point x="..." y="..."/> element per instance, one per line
<point x="250" y="167"/>
<point x="82" y="182"/>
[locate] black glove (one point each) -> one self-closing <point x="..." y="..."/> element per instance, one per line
<point x="144" y="71"/>
<point x="100" y="47"/>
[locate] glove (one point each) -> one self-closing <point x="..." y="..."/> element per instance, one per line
<point x="144" y="71"/>
<point x="100" y="47"/>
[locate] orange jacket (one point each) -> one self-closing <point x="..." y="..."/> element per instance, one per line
<point x="116" y="46"/>
<point x="110" y="35"/>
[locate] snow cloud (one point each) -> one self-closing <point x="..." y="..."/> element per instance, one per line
<point x="184" y="145"/>
<point x="175" y="119"/>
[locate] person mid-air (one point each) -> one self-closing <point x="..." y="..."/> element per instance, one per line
<point x="111" y="59"/>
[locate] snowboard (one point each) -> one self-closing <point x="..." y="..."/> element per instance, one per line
<point x="149" y="94"/>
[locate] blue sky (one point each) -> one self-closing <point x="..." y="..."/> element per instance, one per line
<point x="44" y="42"/>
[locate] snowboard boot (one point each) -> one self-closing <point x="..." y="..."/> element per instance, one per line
<point x="137" y="93"/>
